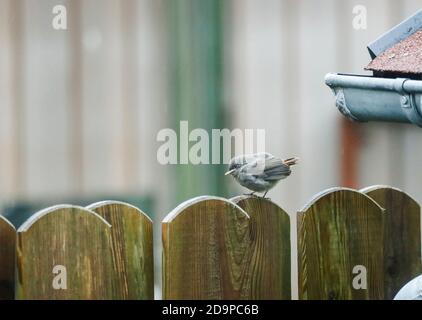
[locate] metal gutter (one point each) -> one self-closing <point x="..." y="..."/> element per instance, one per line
<point x="365" y="98"/>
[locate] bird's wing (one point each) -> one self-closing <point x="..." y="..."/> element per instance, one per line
<point x="268" y="168"/>
<point x="275" y="169"/>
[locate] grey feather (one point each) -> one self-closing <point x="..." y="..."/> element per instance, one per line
<point x="260" y="172"/>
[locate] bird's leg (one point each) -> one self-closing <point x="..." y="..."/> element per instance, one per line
<point x="263" y="197"/>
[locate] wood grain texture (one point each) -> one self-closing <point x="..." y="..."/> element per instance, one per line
<point x="213" y="249"/>
<point x="70" y="236"/>
<point x="338" y="230"/>
<point x="270" y="269"/>
<point x="7" y="259"/>
<point x="205" y="251"/>
<point x="402" y="237"/>
<point x="131" y="248"/>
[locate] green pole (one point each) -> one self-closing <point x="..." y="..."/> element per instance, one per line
<point x="196" y="87"/>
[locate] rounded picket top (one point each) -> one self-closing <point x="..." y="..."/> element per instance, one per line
<point x="340" y="246"/>
<point x="380" y="189"/>
<point x="270" y="244"/>
<point x="201" y="200"/>
<point x="132" y="254"/>
<point x="411" y="291"/>
<point x="402" y="236"/>
<point x="7" y="259"/>
<point x="205" y="250"/>
<point x="64" y="253"/>
<point x="6" y="223"/>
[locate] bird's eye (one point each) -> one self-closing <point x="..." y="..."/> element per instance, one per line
<point x="232" y="166"/>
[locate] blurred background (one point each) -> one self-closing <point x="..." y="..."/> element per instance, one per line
<point x="80" y="108"/>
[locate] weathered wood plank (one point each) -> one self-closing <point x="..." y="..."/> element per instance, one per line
<point x="270" y="264"/>
<point x="131" y="248"/>
<point x="337" y="231"/>
<point x="68" y="236"/>
<point x="212" y="249"/>
<point x="402" y="237"/>
<point x="205" y="250"/>
<point x="7" y="259"/>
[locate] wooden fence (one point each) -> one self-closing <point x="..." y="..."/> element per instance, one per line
<point x="351" y="245"/>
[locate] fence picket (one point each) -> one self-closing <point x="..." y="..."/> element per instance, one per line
<point x="132" y="248"/>
<point x="270" y="245"/>
<point x="402" y="237"/>
<point x="338" y="231"/>
<point x="205" y="250"/>
<point x="7" y="259"/>
<point x="68" y="236"/>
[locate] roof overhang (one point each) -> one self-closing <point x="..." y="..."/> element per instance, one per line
<point x="396" y="34"/>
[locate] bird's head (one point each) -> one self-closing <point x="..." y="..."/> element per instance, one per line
<point x="234" y="165"/>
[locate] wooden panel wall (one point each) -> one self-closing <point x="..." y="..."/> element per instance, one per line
<point x="76" y="105"/>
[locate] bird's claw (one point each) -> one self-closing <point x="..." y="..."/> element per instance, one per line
<point x="252" y="194"/>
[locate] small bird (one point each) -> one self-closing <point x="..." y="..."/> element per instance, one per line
<point x="260" y="172"/>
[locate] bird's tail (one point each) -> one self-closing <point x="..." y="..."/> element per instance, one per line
<point x="291" y="161"/>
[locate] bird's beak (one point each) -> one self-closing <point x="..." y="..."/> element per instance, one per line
<point x="229" y="172"/>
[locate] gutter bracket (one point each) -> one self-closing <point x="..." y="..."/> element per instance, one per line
<point x="342" y="105"/>
<point x="408" y="103"/>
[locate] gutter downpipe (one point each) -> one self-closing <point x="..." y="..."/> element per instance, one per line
<point x="365" y="98"/>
